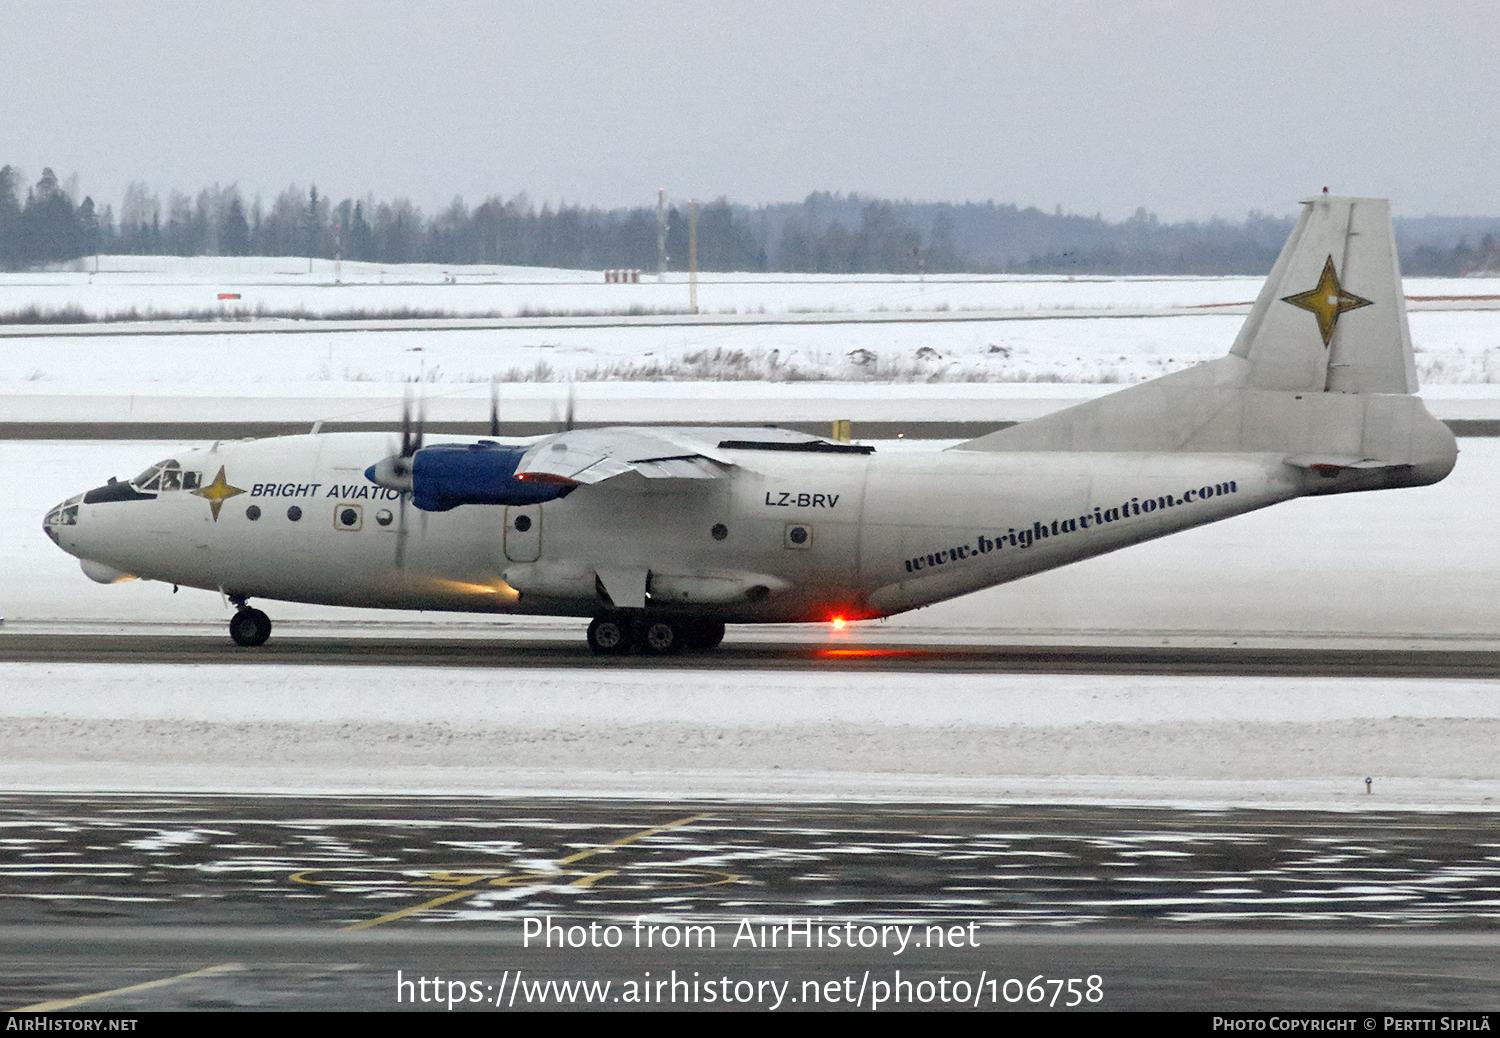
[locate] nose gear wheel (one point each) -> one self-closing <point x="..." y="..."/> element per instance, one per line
<point x="250" y="627"/>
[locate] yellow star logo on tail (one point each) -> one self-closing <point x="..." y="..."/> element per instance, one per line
<point x="1327" y="301"/>
<point x="217" y="492"/>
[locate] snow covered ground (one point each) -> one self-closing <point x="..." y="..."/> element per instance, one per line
<point x="169" y="284"/>
<point x="685" y="733"/>
<point x="984" y="329"/>
<point x="239" y="360"/>
<point x="175" y="284"/>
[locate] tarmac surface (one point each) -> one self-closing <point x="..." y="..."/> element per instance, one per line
<point x="155" y="902"/>
<point x="866" y="655"/>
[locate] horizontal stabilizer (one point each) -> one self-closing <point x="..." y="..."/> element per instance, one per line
<point x="1333" y="462"/>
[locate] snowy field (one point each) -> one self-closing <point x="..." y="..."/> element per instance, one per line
<point x="1018" y="330"/>
<point x="173" y="284"/>
<point x="168" y="284"/>
<point x="1206" y="741"/>
<point x="1458" y="348"/>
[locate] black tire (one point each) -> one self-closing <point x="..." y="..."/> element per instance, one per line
<point x="250" y="627"/>
<point x="660" y="637"/>
<point x="610" y="636"/>
<point x="702" y="635"/>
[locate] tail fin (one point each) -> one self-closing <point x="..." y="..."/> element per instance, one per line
<point x="1322" y="372"/>
<point x="1331" y="316"/>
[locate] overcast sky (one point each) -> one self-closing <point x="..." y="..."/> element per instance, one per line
<point x="1189" y="109"/>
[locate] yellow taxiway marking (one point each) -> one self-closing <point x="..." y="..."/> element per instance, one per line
<point x="68" y="1003"/>
<point x="588" y="881"/>
<point x="584" y="881"/>
<point x="622" y="841"/>
<point x="403" y="913"/>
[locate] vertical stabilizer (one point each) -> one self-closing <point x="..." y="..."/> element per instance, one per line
<point x="1321" y="373"/>
<point x="1331" y="316"/>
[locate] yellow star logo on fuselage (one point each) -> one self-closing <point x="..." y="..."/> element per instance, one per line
<point x="217" y="492"/>
<point x="1327" y="301"/>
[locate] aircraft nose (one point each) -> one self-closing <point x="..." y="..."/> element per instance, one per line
<point x="65" y="514"/>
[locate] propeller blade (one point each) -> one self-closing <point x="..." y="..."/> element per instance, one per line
<point x="495" y="407"/>
<point x="412" y="427"/>
<point x="568" y="423"/>
<point x="406" y="447"/>
<point x="401" y="533"/>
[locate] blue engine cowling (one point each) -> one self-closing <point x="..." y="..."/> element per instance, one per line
<point x="444" y="476"/>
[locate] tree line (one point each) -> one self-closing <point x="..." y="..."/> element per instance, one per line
<point x="824" y="233"/>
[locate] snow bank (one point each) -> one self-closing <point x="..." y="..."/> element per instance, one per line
<point x="803" y="734"/>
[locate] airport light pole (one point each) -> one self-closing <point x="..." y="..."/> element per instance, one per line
<point x="692" y="255"/>
<point x="661" y="234"/>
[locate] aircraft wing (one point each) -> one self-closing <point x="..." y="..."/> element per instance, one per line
<point x="594" y="455"/>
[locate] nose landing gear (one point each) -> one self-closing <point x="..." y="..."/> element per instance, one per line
<point x="249" y="627"/>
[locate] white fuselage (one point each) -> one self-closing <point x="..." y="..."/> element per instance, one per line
<point x="783" y="537"/>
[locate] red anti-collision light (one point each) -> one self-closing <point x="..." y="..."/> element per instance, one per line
<point x="546" y="478"/>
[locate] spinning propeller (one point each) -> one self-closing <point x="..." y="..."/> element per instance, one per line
<point x="454" y="474"/>
<point x="395" y="472"/>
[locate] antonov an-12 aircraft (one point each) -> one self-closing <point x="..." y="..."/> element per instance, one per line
<point x="661" y="536"/>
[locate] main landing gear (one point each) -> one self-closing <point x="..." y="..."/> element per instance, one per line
<point x="616" y="634"/>
<point x="249" y="627"/>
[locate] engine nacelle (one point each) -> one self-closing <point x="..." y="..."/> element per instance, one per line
<point x="444" y="476"/>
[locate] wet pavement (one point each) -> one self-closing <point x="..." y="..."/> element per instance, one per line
<point x="318" y="901"/>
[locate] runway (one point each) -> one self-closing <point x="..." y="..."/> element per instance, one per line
<point x="867" y="654"/>
<point x="285" y="902"/>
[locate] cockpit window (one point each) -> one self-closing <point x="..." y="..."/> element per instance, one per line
<point x="65" y="514"/>
<point x="167" y="475"/>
